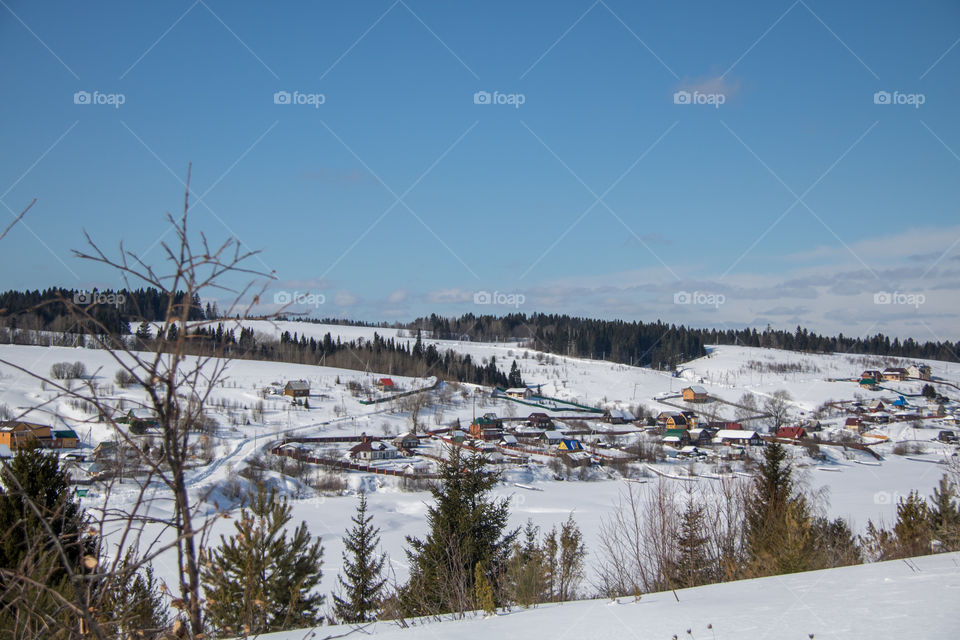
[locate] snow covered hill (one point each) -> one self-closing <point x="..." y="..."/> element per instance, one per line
<point x="916" y="598"/>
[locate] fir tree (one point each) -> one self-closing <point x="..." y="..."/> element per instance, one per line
<point x="43" y="542"/>
<point x="912" y="529"/>
<point x="945" y="515"/>
<point x="132" y="606"/>
<point x="362" y="582"/>
<point x="693" y="564"/>
<point x="465" y="527"/>
<point x="526" y="572"/>
<point x="515" y="379"/>
<point x="259" y="580"/>
<point x="778" y="534"/>
<point x="565" y="551"/>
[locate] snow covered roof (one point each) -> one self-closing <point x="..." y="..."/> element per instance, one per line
<point x="553" y="435"/>
<point x="697" y="389"/>
<point x="508" y="439"/>
<point x="734" y="434"/>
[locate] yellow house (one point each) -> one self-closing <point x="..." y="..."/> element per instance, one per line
<point x="696" y="393"/>
<point x="17" y="434"/>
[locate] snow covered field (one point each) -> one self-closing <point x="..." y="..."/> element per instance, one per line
<point x="898" y="599"/>
<point x="856" y="486"/>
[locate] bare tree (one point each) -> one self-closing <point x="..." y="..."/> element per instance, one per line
<point x="176" y="380"/>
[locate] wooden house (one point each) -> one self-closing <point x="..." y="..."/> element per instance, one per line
<point x="520" y="393"/>
<point x="672" y="420"/>
<point x="371" y="449"/>
<point x="65" y="438"/>
<point x="694" y="393"/>
<point x="894" y="374"/>
<point x="385" y="384"/>
<point x="17" y="434"/>
<point x="551" y="438"/>
<point x="539" y="420"/>
<point x="792" y="433"/>
<point x="297" y="389"/>
<point x="406" y="441"/>
<point x="739" y="437"/>
<point x="569" y="445"/>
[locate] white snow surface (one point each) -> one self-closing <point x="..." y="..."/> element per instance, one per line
<point x="917" y="598"/>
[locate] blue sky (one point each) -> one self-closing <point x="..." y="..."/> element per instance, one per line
<point x="785" y="191"/>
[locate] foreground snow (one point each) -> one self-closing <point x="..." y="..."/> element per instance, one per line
<point x="917" y="598"/>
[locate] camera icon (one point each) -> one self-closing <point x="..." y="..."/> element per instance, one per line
<point x="81" y="97"/>
<point x="881" y="97"/>
<point x="281" y="97"/>
<point x="882" y="297"/>
<point x="681" y="97"/>
<point x="82" y="297"/>
<point x="282" y="298"/>
<point x="881" y="497"/>
<point x="482" y="297"/>
<point x="481" y="97"/>
<point x="682" y="297"/>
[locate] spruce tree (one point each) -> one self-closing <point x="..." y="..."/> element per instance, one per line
<point x="259" y="580"/>
<point x="778" y="523"/>
<point x="692" y="566"/>
<point x="515" y="379"/>
<point x="465" y="527"/>
<point x="362" y="580"/>
<point x="945" y="515"/>
<point x="913" y="526"/>
<point x="43" y="542"/>
<point x="132" y="606"/>
<point x="526" y="579"/>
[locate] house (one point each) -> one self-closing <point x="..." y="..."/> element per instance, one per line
<point x="876" y="405"/>
<point x="576" y="458"/>
<point x="65" y="438"/>
<point x="570" y="445"/>
<point x="900" y="403"/>
<point x="406" y="441"/>
<point x="739" y="437"/>
<point x="458" y="436"/>
<point x="694" y="393"/>
<point x="672" y="420"/>
<point x="868" y="383"/>
<point x="552" y="438"/>
<point x="105" y="449"/>
<point x="871" y="374"/>
<point x="508" y="440"/>
<point x="371" y="449"/>
<point x="677" y="438"/>
<point x="540" y="420"/>
<point x="17" y="434"/>
<point x="297" y="389"/>
<point x="691" y="418"/>
<point x="486" y="428"/>
<point x="792" y="433"/>
<point x="701" y="436"/>
<point x="717" y="425"/>
<point x="926" y="373"/>
<point x="853" y="424"/>
<point x="618" y="416"/>
<point x="894" y="373"/>
<point x="385" y="384"/>
<point x="520" y="393"/>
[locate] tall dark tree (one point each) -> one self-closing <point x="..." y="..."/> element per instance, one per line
<point x="44" y="550"/>
<point x="693" y="564"/>
<point x="778" y="521"/>
<point x="466" y="527"/>
<point x="259" y="580"/>
<point x="362" y="580"/>
<point x="515" y="379"/>
<point x="912" y="530"/>
<point x="132" y="606"/>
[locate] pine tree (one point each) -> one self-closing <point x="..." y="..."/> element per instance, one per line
<point x="483" y="590"/>
<point x="132" y="606"/>
<point x="945" y="515"/>
<point x="465" y="526"/>
<point x="778" y="534"/>
<point x="362" y="582"/>
<point x="692" y="566"/>
<point x="42" y="542"/>
<point x="565" y="551"/>
<point x="526" y="579"/>
<point x="912" y="529"/>
<point x="515" y="380"/>
<point x="259" y="580"/>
